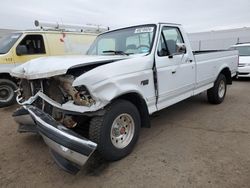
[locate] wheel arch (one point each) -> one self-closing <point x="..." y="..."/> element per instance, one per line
<point x="226" y="71"/>
<point x="140" y="103"/>
<point x="8" y="76"/>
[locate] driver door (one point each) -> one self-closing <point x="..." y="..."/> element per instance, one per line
<point x="175" y="69"/>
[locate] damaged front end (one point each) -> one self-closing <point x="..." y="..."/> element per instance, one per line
<point x="69" y="149"/>
<point x="60" y="113"/>
<point x="55" y="96"/>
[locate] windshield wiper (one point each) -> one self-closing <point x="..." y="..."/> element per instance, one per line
<point x="116" y="52"/>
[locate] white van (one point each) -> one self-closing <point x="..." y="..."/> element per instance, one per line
<point x="50" y="40"/>
<point x="244" y="59"/>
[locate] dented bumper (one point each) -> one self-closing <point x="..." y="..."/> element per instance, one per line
<point x="68" y="149"/>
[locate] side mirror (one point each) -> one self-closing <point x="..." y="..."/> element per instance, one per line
<point x="21" y="50"/>
<point x="181" y="48"/>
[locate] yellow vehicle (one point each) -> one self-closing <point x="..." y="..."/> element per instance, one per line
<point x="19" y="47"/>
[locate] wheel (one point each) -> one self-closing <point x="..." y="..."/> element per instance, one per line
<point x="117" y="131"/>
<point x="7" y="92"/>
<point x="217" y="93"/>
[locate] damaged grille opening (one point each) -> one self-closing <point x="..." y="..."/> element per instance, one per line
<point x="59" y="89"/>
<point x="28" y="88"/>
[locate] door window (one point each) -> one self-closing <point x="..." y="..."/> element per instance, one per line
<point x="170" y="37"/>
<point x="34" y="44"/>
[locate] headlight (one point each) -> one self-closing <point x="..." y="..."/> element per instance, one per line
<point x="83" y="97"/>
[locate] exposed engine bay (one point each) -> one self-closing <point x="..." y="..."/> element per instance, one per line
<point x="59" y="89"/>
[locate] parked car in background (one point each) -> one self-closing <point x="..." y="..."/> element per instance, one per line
<point x="18" y="47"/>
<point x="244" y="59"/>
<point x="101" y="100"/>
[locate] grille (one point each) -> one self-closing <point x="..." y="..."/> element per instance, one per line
<point x="50" y="87"/>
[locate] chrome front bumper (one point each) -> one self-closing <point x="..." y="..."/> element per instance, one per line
<point x="69" y="149"/>
<point x="25" y="121"/>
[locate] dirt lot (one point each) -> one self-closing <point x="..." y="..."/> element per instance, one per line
<point x="191" y="144"/>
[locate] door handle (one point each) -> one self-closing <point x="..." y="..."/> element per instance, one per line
<point x="173" y="71"/>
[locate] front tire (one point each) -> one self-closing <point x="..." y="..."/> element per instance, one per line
<point x="216" y="94"/>
<point x="117" y="132"/>
<point x="7" y="92"/>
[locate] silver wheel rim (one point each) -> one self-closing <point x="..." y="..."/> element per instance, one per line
<point x="6" y="93"/>
<point x="222" y="89"/>
<point x="122" y="131"/>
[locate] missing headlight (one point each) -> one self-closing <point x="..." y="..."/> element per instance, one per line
<point x="82" y="96"/>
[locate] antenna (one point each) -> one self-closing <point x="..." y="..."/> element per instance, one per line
<point x="89" y="28"/>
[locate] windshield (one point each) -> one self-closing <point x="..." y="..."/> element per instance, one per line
<point x="243" y="50"/>
<point x="8" y="41"/>
<point x="133" y="40"/>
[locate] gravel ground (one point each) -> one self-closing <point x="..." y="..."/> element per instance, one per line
<point x="191" y="144"/>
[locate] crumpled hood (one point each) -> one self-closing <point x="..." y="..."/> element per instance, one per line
<point x="45" y="67"/>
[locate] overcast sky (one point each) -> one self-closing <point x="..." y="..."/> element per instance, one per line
<point x="194" y="15"/>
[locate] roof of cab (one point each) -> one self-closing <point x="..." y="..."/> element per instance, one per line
<point x="143" y="24"/>
<point x="169" y="23"/>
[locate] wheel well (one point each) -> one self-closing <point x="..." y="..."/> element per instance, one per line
<point x="227" y="74"/>
<point x="140" y="104"/>
<point x="7" y="76"/>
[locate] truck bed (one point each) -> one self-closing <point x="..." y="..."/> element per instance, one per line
<point x="208" y="63"/>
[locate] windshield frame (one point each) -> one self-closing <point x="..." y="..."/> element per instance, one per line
<point x="13" y="42"/>
<point x="136" y="26"/>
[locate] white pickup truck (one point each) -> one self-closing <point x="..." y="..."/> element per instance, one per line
<point x="100" y="101"/>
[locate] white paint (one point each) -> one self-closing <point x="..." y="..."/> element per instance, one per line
<point x="244" y="62"/>
<point x="56" y="65"/>
<point x="112" y="80"/>
<point x="193" y="74"/>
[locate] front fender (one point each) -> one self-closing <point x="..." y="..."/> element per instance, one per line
<point x="109" y="81"/>
<point x="111" y="89"/>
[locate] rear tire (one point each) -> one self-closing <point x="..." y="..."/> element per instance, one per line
<point x="117" y="132"/>
<point x="216" y="94"/>
<point x="7" y="92"/>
